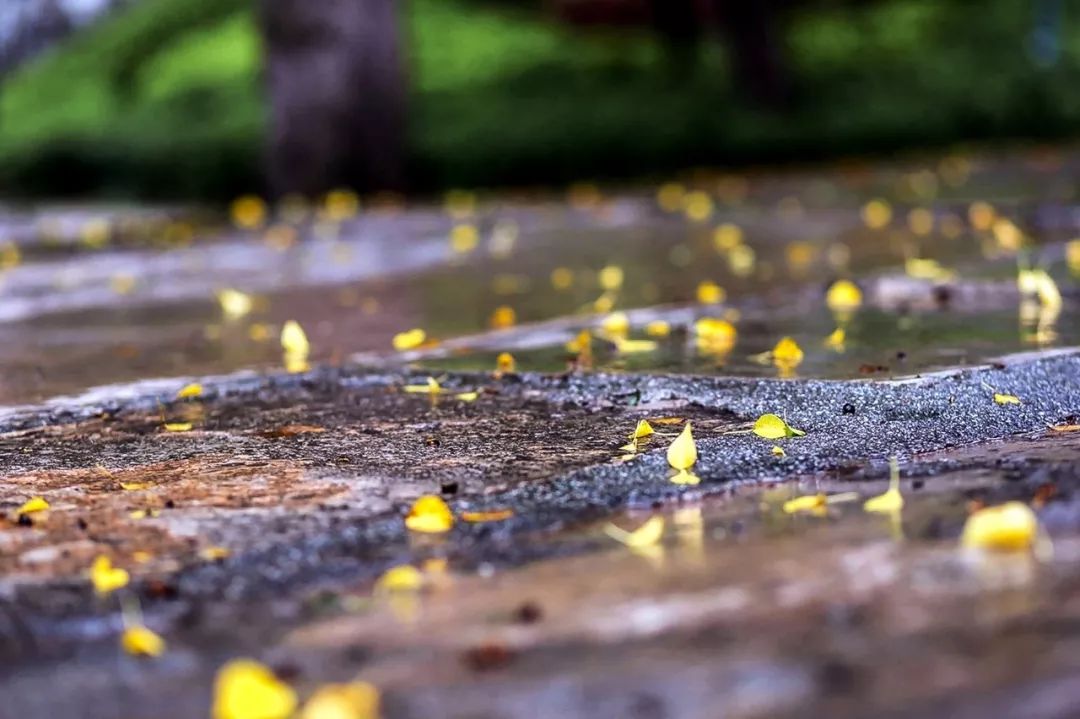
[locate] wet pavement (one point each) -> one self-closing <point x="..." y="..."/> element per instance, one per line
<point x="255" y="518"/>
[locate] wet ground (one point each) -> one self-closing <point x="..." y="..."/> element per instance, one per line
<point x="261" y="529"/>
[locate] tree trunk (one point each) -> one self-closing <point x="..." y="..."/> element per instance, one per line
<point x="337" y="95"/>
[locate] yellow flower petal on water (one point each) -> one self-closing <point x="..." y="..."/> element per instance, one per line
<point x="134" y="486"/>
<point x="246" y="689"/>
<point x="214" y="553"/>
<point x="891" y="500"/>
<point x="105" y="577"/>
<point x="682" y="477"/>
<point x="807" y="503"/>
<point x="610" y="278"/>
<point x="489" y="515"/>
<point x="836" y="340"/>
<point x="626" y="347"/>
<point x="248" y="212"/>
<point x="710" y="293"/>
<point x="504" y="316"/>
<point x="698" y="206"/>
<point x="714" y="335"/>
<point x="464" y="238"/>
<point x="467" y="396"/>
<point x="139" y="641"/>
<point x="927" y="269"/>
<point x="787" y="352"/>
<point x="431" y="386"/>
<point x="658" y="328"/>
<point x="356" y="700"/>
<point x="294" y="340"/>
<point x="403" y="578"/>
<point x="727" y="237"/>
<point x="410" y="339"/>
<point x="843" y="295"/>
<point x="646" y="535"/>
<point x="1038" y="282"/>
<point x="562" y="278"/>
<point x="177" y="426"/>
<point x="770" y="426"/>
<point x="505" y="363"/>
<point x="617" y="324"/>
<point x="234" y="303"/>
<point x="190" y="390"/>
<point x="1007" y="527"/>
<point x="670" y="196"/>
<point x="430" y="514"/>
<point x="581" y="343"/>
<point x="682" y="453"/>
<point x="1001" y="398"/>
<point x="643" y="429"/>
<point x="778" y="451"/>
<point x="32" y="505"/>
<point x="876" y="213"/>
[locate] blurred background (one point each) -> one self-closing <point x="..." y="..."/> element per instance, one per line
<point x="208" y="99"/>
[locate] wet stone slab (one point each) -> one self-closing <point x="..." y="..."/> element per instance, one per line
<point x="305" y="480"/>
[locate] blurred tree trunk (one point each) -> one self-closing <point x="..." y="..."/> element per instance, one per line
<point x="337" y="95"/>
<point x="755" y="35"/>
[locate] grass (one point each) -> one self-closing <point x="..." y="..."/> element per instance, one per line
<point x="165" y="100"/>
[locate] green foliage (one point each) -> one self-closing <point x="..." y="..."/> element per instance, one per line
<point x="166" y="100"/>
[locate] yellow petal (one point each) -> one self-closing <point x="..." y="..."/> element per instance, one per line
<point x="682" y="477"/>
<point x="248" y="211"/>
<point x="771" y="426"/>
<point x="464" y="238"/>
<point x="714" y="334"/>
<point x="234" y="303"/>
<point x="836" y="339"/>
<point x="843" y="295"/>
<point x="682" y="453"/>
<point x="403" y="578"/>
<point x="581" y="343"/>
<point x="491" y="515"/>
<point x="806" y="503"/>
<point x="891" y="500"/>
<point x="787" y="352"/>
<point x="505" y="364"/>
<point x="410" y="339"/>
<point x="710" y="293"/>
<point x="178" y="426"/>
<point x="431" y="386"/>
<point x="778" y="451"/>
<point x="430" y="514"/>
<point x="617" y="324"/>
<point x="658" y="328"/>
<point x="625" y="346"/>
<point x="190" y="390"/>
<point x="245" y="689"/>
<point x="643" y="429"/>
<point x="214" y="553"/>
<point x="610" y="278"/>
<point x="1006" y="398"/>
<point x="727" y="237"/>
<point x="141" y="642"/>
<point x="134" y="486"/>
<point x="105" y="577"/>
<point x="356" y="700"/>
<point x="646" y="535"/>
<point x="293" y="339"/>
<point x="504" y="316"/>
<point x="467" y="396"/>
<point x="876" y="214"/>
<point x="1007" y="527"/>
<point x="32" y="505"/>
